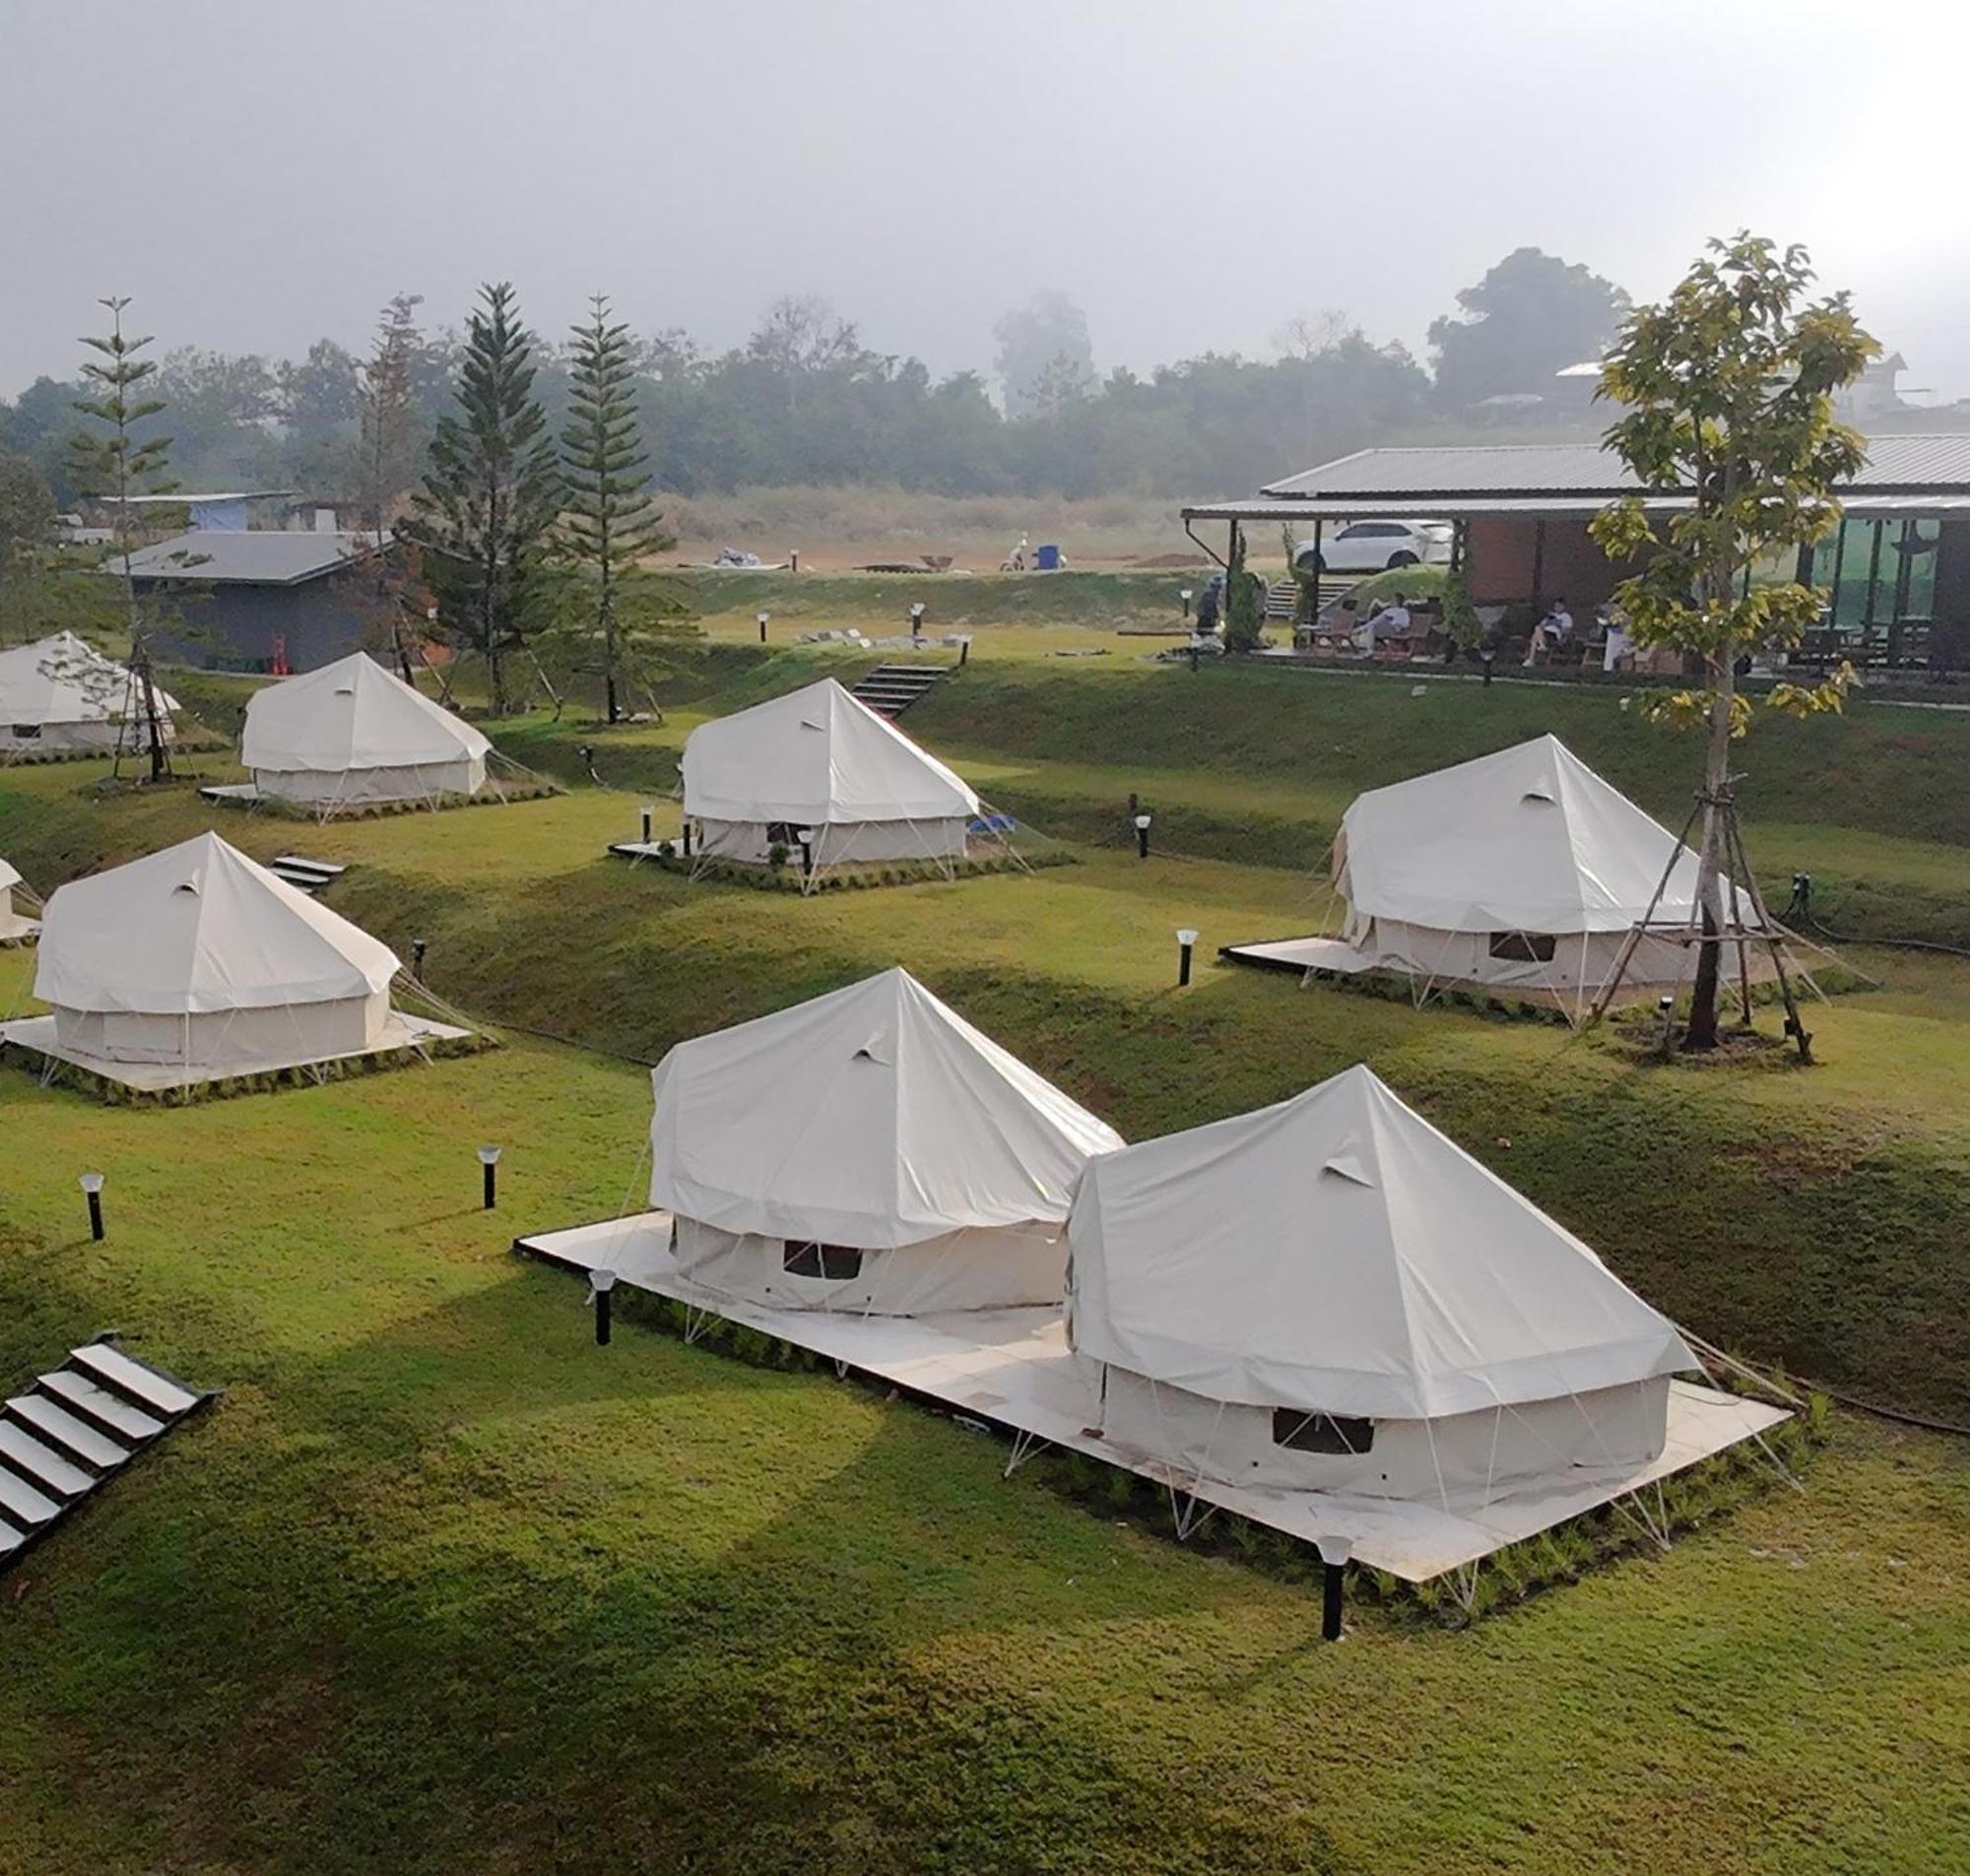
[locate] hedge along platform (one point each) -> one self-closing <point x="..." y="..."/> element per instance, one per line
<point x="1013" y="1367"/>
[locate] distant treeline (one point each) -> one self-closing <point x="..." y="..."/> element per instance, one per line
<point x="805" y="402"/>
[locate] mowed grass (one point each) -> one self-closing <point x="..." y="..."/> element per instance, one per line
<point x="438" y="1585"/>
<point x="441" y="1587"/>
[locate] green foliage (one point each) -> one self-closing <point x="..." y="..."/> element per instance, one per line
<point x="1244" y="602"/>
<point x="1530" y="316"/>
<point x="490" y="494"/>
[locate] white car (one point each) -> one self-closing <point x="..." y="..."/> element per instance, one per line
<point x="1368" y="546"/>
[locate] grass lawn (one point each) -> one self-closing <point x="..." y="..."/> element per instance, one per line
<point x="440" y="1587"/>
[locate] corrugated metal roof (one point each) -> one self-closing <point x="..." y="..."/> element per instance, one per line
<point x="1528" y="507"/>
<point x="259" y="556"/>
<point x="1936" y="461"/>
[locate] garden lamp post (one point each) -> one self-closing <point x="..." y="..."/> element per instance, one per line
<point x="649" y="817"/>
<point x="1142" y="836"/>
<point x="805" y="838"/>
<point x="916" y="619"/>
<point x="489" y="1162"/>
<point x="1334" y="1555"/>
<point x="764" y="617"/>
<point x="92" y="1187"/>
<point x="1186" y="941"/>
<point x="600" y="1284"/>
<point x="1184" y="596"/>
<point x="419" y="947"/>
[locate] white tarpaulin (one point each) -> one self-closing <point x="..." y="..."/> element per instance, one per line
<point x="355" y="732"/>
<point x="815" y="758"/>
<point x="873" y="1116"/>
<point x="200" y="929"/>
<point x="67" y="697"/>
<point x="1337" y="1253"/>
<point x="1529" y="840"/>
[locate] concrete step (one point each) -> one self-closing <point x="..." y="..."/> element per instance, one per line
<point x="23" y="1507"/>
<point x="40" y="1464"/>
<point x="72" y="1436"/>
<point x="137" y="1382"/>
<point x="112" y="1415"/>
<point x="306" y="875"/>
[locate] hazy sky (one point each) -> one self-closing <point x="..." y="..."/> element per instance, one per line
<point x="1193" y="174"/>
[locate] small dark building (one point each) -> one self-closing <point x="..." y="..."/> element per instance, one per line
<point x="263" y="598"/>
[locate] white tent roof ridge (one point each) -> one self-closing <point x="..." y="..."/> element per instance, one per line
<point x="196" y="928"/>
<point x="351" y="714"/>
<point x="64" y="678"/>
<point x="1475" y="847"/>
<point x="9" y="875"/>
<point x="818" y="755"/>
<point x="778" y="1127"/>
<point x="1228" y="1260"/>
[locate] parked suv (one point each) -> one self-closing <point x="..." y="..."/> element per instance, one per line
<point x="1367" y="546"/>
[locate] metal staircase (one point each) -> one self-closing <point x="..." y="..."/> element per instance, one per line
<point x="891" y="690"/>
<point x="73" y="1431"/>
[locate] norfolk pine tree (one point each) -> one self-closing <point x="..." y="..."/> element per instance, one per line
<point x="491" y="494"/>
<point x="111" y="462"/>
<point x="608" y="523"/>
<point x="1729" y="387"/>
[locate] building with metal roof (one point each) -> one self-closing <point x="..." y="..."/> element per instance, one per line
<point x="1897" y="569"/>
<point x="265" y="599"/>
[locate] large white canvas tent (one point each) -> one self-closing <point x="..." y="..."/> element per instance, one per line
<point x="15" y="924"/>
<point x="196" y="963"/>
<point x="819" y="762"/>
<point x="351" y="733"/>
<point x="61" y="696"/>
<point x="1329" y="1294"/>
<point x="1523" y="872"/>
<point x="868" y="1150"/>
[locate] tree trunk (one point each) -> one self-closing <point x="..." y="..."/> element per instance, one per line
<point x="1702" y="1032"/>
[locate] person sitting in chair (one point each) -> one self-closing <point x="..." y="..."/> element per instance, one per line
<point x="1390" y="619"/>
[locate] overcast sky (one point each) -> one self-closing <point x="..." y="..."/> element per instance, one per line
<point x="258" y="172"/>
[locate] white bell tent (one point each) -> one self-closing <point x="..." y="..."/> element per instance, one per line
<point x="16" y="906"/>
<point x="195" y="964"/>
<point x="1331" y="1295"/>
<point x="61" y="696"/>
<point x="1522" y="872"/>
<point x="817" y="770"/>
<point x="868" y="1150"/>
<point x="352" y="735"/>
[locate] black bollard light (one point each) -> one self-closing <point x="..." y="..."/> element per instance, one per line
<point x="649" y="815"/>
<point x="965" y="650"/>
<point x="686" y="840"/>
<point x="1665" y="1006"/>
<point x="1142" y="836"/>
<point x="1487" y="657"/>
<point x="418" y="949"/>
<point x="764" y="617"/>
<point x="1186" y="941"/>
<point x="793" y="560"/>
<point x="916" y="619"/>
<point x="1334" y="1555"/>
<point x="600" y="1284"/>
<point x="805" y="837"/>
<point x="1183" y="595"/>
<point x="92" y="1187"/>
<point x="489" y="1161"/>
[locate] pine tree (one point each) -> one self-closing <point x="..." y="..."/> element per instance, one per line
<point x="112" y="461"/>
<point x="609" y="522"/>
<point x="491" y="494"/>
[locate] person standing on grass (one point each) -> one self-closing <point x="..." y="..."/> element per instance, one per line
<point x="1207" y="604"/>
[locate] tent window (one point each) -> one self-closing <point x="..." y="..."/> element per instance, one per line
<point x="1321" y="1432"/>
<point x="1523" y="947"/>
<point x="783" y="832"/>
<point x="26" y="731"/>
<point x="838" y="1262"/>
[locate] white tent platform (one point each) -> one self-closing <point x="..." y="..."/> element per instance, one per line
<point x="1013" y="1367"/>
<point x="16" y="928"/>
<point x="232" y="795"/>
<point x="38" y="1033"/>
<point x="1302" y="954"/>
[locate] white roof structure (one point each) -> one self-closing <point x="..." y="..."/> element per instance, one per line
<point x="351" y="714"/>
<point x="816" y="757"/>
<point x="1526" y="840"/>
<point x="1337" y="1253"/>
<point x="196" y="928"/>
<point x="66" y="680"/>
<point x="873" y="1116"/>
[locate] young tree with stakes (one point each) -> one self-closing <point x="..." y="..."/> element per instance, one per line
<point x="385" y="404"/>
<point x="113" y="462"/>
<point x="608" y="522"/>
<point x="491" y="494"/>
<point x="1729" y="387"/>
